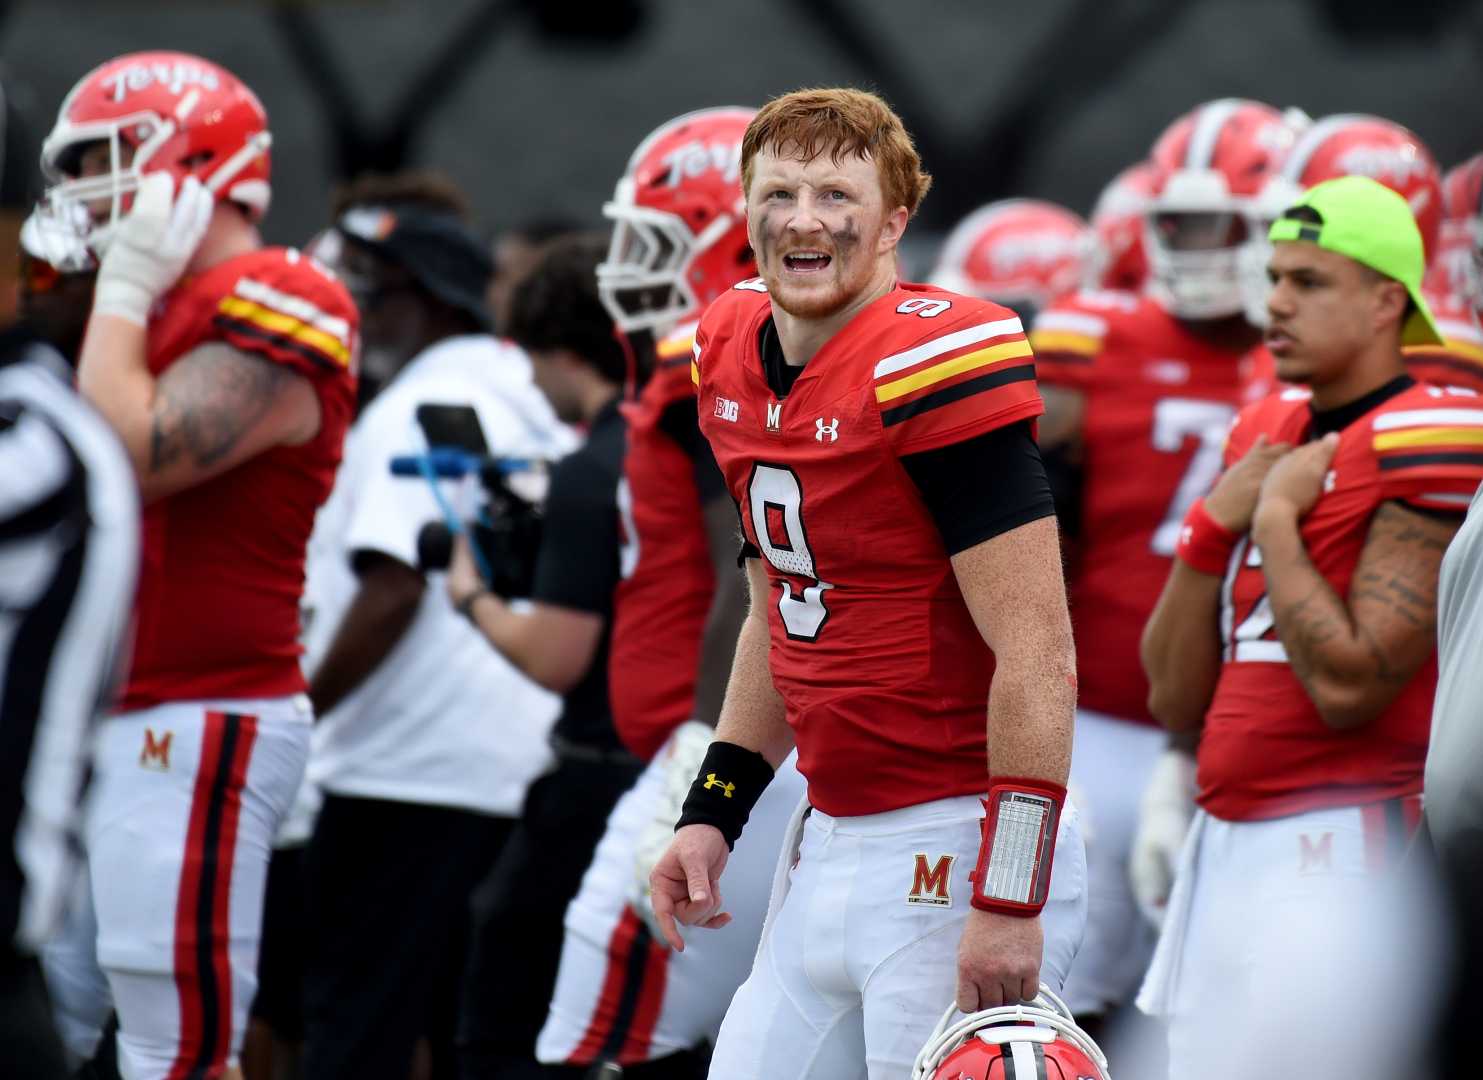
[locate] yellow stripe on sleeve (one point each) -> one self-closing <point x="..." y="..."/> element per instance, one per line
<point x="671" y="347"/>
<point x="1049" y="341"/>
<point x="994" y="354"/>
<point x="1435" y="436"/>
<point x="694" y="372"/>
<point x="285" y="326"/>
<point x="1452" y="347"/>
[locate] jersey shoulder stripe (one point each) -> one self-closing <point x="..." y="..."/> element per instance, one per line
<point x="957" y="392"/>
<point x="952" y="354"/>
<point x="1071" y="335"/>
<point x="280" y="299"/>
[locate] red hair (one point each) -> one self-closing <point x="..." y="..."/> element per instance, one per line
<point x="839" y="121"/>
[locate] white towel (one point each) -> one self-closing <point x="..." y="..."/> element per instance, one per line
<point x="1157" y="995"/>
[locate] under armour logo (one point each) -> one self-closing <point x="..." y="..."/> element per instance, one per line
<point x="1186" y="534"/>
<point x="711" y="781"/>
<point x="831" y="429"/>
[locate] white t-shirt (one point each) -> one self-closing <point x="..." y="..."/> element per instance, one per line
<point x="444" y="720"/>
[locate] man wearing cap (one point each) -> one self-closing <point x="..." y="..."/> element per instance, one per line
<point x="427" y="741"/>
<point x="1296" y="632"/>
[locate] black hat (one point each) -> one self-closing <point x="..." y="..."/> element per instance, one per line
<point x="442" y="253"/>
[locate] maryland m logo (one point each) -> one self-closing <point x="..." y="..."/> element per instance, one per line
<point x="156" y="751"/>
<point x="929" y="884"/>
<point x="1315" y="858"/>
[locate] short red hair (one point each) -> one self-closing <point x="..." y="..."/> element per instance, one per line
<point x="839" y="121"/>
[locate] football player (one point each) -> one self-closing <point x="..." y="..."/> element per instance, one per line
<point x="228" y="370"/>
<point x="1140" y="389"/>
<point x="1022" y="253"/>
<point x="1461" y="257"/>
<point x="1296" y="631"/>
<point x="1115" y="257"/>
<point x="1351" y="144"/>
<point x="679" y="240"/>
<point x="905" y="577"/>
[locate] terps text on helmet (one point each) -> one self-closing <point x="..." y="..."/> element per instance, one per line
<point x="175" y="76"/>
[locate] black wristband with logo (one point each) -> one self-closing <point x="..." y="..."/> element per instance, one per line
<point x="731" y="780"/>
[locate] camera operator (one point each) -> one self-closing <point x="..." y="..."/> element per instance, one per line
<point x="427" y="742"/>
<point x="561" y="641"/>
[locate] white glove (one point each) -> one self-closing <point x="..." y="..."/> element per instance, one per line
<point x="682" y="758"/>
<point x="1164" y="815"/>
<point x="152" y="246"/>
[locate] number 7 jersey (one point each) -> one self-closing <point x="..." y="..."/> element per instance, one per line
<point x="884" y="673"/>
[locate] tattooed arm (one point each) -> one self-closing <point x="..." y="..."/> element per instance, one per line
<point x="211" y="410"/>
<point x="1354" y="658"/>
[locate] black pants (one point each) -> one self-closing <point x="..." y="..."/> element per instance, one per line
<point x="281" y="955"/>
<point x="29" y="1047"/>
<point x="518" y="913"/>
<point x="387" y="887"/>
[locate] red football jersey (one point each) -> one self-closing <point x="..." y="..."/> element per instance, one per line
<point x="1458" y="361"/>
<point x="885" y="676"/>
<point x="223" y="562"/>
<point x="1265" y="751"/>
<point x="664" y="597"/>
<point x="1158" y="404"/>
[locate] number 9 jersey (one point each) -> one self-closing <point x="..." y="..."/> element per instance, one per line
<point x="883" y="671"/>
<point x="1265" y="751"/>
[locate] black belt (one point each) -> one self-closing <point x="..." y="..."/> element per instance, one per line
<point x="579" y="754"/>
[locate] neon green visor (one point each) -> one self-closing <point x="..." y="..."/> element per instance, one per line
<point x="1368" y="222"/>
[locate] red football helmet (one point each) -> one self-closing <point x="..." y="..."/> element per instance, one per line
<point x="1209" y="165"/>
<point x="1034" y="1041"/>
<point x="173" y="113"/>
<point x="1461" y="256"/>
<point x="1023" y="253"/>
<point x="1115" y="257"/>
<point x="679" y="222"/>
<point x="1346" y="144"/>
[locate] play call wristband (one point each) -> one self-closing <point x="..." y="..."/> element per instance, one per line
<point x="1012" y="875"/>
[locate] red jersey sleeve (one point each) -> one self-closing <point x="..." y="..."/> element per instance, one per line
<point x="1067" y="338"/>
<point x="289" y="309"/>
<point x="959" y="380"/>
<point x="1431" y="458"/>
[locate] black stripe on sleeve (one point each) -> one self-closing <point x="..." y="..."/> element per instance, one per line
<point x="957" y="392"/>
<point x="1411" y="461"/>
<point x="235" y="326"/>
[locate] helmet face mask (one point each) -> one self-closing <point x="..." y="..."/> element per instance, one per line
<point x="679" y="226"/>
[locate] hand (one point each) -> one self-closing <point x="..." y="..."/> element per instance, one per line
<point x="463" y="575"/>
<point x="152" y="245"/>
<point x="1164" y="815"/>
<point x="1294" y="484"/>
<point x="682" y="758"/>
<point x="1232" y="501"/>
<point x="998" y="960"/>
<point x="684" y="882"/>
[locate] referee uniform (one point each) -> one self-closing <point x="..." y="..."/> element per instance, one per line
<point x="69" y="552"/>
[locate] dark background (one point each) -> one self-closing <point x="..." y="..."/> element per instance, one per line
<point x="534" y="106"/>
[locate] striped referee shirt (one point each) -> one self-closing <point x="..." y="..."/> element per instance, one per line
<point x="69" y="552"/>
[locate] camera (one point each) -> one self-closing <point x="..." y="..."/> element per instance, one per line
<point x="505" y="529"/>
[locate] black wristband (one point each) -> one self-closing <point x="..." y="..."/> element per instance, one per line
<point x="731" y="780"/>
